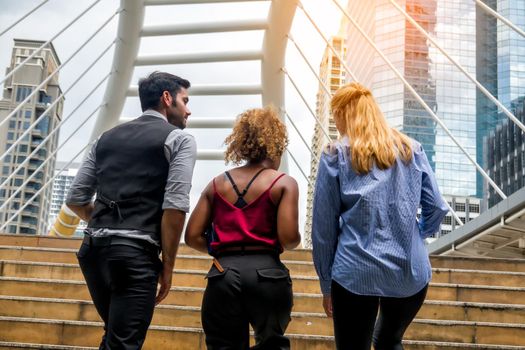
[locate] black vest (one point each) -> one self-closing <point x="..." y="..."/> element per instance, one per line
<point x="131" y="172"/>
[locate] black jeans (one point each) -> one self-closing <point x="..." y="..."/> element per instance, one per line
<point x="253" y="289"/>
<point x="355" y="323"/>
<point x="122" y="281"/>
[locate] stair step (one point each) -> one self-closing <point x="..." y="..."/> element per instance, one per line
<point x="26" y="241"/>
<point x="475" y="263"/>
<point x="188" y="261"/>
<point x="82" y="333"/>
<point x="185" y="278"/>
<point x="14" y="345"/>
<point x="193" y="269"/>
<point x="476" y="277"/>
<point x="310" y="343"/>
<point x="429" y="345"/>
<point x="185" y="296"/>
<point x="49" y="288"/>
<point x="466" y="332"/>
<point x="39" y="241"/>
<point x="165" y="315"/>
<point x="79" y="333"/>
<point x="307" y="322"/>
<point x="463" y="311"/>
<point x="469" y="263"/>
<point x="476" y="294"/>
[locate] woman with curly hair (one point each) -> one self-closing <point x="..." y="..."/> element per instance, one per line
<point x="247" y="283"/>
<point x="368" y="245"/>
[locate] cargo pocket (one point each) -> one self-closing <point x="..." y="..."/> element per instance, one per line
<point x="215" y="274"/>
<point x="274" y="274"/>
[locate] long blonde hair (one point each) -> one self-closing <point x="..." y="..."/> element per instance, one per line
<point x="372" y="141"/>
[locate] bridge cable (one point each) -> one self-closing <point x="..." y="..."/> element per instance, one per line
<point x="13" y="195"/>
<point x="489" y="10"/>
<point x="47" y="43"/>
<point x="52" y="104"/>
<point x="23" y="17"/>
<point x="459" y="66"/>
<point x="57" y="128"/>
<point x="306" y="103"/>
<point x="30" y="200"/>
<point x="423" y="103"/>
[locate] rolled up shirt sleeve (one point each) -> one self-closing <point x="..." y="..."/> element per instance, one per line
<point x="84" y="185"/>
<point x="325" y="223"/>
<point x="181" y="152"/>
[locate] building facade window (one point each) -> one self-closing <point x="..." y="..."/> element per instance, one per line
<point x="22" y="92"/>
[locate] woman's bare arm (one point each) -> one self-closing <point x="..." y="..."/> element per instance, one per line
<point x="288" y="213"/>
<point x="200" y="219"/>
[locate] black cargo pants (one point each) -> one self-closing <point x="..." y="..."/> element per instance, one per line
<point x="253" y="289"/>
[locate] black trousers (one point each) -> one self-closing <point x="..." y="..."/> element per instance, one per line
<point x="355" y="323"/>
<point x="122" y="281"/>
<point x="254" y="289"/>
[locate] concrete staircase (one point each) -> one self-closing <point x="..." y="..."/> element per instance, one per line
<point x="44" y="303"/>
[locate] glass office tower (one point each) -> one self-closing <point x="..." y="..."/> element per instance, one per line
<point x="443" y="87"/>
<point x="501" y="69"/>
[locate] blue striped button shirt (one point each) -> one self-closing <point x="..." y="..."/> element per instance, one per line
<point x="365" y="233"/>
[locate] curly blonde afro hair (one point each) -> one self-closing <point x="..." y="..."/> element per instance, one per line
<point x="258" y="134"/>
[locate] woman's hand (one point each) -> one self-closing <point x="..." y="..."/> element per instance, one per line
<point x="327" y="305"/>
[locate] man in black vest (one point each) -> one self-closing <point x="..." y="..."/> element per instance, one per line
<point x="141" y="173"/>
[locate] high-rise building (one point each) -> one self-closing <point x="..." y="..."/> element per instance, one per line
<point x="61" y="185"/>
<point x="505" y="162"/>
<point x="332" y="75"/>
<point x="500" y="57"/>
<point x="33" y="219"/>
<point x="441" y="85"/>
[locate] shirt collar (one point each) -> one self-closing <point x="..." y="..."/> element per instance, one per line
<point x="154" y="113"/>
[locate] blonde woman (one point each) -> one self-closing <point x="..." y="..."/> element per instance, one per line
<point x="253" y="210"/>
<point x="368" y="245"/>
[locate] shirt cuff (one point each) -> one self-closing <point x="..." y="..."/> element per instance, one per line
<point x="326" y="286"/>
<point x="78" y="198"/>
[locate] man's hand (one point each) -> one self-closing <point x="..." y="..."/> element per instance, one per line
<point x="171" y="228"/>
<point x="327" y="305"/>
<point x="165" y="284"/>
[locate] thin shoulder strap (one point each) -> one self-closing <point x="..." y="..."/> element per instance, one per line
<point x="276" y="179"/>
<point x="252" y="180"/>
<point x="233" y="183"/>
<point x="236" y="189"/>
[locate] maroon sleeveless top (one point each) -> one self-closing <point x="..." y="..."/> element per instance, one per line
<point x="253" y="224"/>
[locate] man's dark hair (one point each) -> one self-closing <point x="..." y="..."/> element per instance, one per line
<point x="152" y="87"/>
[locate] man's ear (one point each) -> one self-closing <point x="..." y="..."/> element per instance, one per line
<point x="165" y="99"/>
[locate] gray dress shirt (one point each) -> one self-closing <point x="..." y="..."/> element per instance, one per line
<point x="180" y="150"/>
